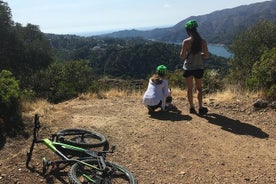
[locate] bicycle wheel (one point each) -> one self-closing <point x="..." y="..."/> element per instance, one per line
<point x="80" y="174"/>
<point x="82" y="138"/>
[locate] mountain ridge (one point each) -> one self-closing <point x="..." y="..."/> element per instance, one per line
<point x="219" y="26"/>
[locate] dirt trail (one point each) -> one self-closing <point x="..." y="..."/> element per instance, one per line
<point x="232" y="144"/>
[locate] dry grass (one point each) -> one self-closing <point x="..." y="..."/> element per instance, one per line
<point x="42" y="106"/>
<point x="233" y="93"/>
<point x="122" y="93"/>
<point x="113" y="93"/>
<point x="177" y="92"/>
<point x="39" y="106"/>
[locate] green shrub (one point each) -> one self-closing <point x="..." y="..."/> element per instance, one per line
<point x="271" y="92"/>
<point x="63" y="80"/>
<point x="264" y="74"/>
<point x="9" y="88"/>
<point x="176" y="79"/>
<point x="212" y="81"/>
<point x="248" y="47"/>
<point x="10" y="113"/>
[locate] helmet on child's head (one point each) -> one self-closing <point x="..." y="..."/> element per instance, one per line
<point x="161" y="70"/>
<point x="191" y="25"/>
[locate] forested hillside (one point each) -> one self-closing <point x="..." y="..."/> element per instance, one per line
<point x="134" y="58"/>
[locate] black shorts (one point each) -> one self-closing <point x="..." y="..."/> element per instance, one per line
<point x="196" y="73"/>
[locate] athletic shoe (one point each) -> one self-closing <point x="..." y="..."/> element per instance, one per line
<point x="192" y="111"/>
<point x="151" y="110"/>
<point x="202" y="110"/>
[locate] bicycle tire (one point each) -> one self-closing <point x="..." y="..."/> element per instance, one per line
<point x="82" y="138"/>
<point x="117" y="174"/>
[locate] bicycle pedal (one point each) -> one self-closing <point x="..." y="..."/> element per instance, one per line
<point x="46" y="162"/>
<point x="44" y="165"/>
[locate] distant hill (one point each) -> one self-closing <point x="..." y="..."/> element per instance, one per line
<point x="216" y="27"/>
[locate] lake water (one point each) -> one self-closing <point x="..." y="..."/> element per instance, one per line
<point x="219" y="50"/>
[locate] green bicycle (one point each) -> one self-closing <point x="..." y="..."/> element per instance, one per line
<point x="87" y="165"/>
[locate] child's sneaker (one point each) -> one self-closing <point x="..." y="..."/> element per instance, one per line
<point x="151" y="110"/>
<point x="202" y="110"/>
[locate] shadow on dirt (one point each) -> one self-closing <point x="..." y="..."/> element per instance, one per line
<point x="12" y="128"/>
<point x="172" y="116"/>
<point x="2" y="140"/>
<point x="51" y="176"/>
<point x="235" y="126"/>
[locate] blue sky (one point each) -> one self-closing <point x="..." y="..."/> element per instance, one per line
<point x="76" y="16"/>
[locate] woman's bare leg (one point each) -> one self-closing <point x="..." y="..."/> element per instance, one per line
<point x="189" y="83"/>
<point x="199" y="92"/>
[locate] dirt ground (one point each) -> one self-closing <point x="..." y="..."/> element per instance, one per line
<point x="231" y="144"/>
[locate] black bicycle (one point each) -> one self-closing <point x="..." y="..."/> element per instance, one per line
<point x="87" y="165"/>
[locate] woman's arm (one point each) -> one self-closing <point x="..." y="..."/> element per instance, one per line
<point x="186" y="47"/>
<point x="183" y="50"/>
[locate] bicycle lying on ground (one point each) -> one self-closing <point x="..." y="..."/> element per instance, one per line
<point x="87" y="165"/>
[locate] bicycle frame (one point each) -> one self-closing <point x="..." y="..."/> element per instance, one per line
<point x="68" y="153"/>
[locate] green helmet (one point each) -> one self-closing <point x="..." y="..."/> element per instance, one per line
<point x="191" y="24"/>
<point x="161" y="69"/>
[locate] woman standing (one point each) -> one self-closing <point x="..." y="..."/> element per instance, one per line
<point x="194" y="48"/>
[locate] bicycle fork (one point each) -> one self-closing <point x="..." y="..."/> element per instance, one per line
<point x="29" y="155"/>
